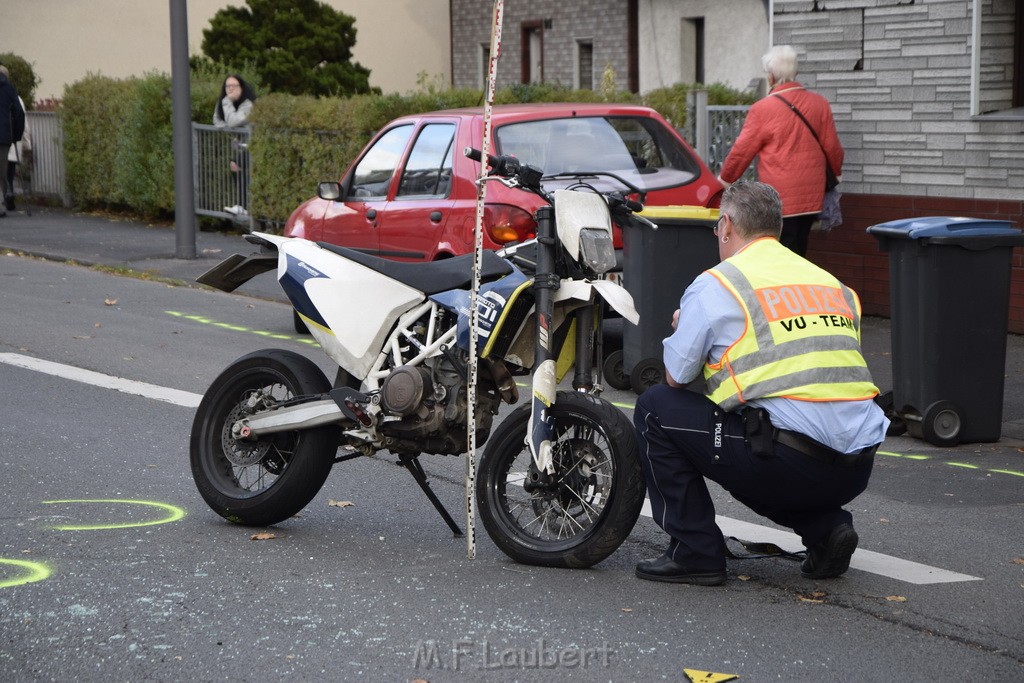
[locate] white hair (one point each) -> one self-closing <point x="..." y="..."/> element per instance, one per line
<point x="780" y="63"/>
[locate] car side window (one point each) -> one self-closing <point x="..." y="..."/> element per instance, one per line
<point x="428" y="173"/>
<point x="373" y="174"/>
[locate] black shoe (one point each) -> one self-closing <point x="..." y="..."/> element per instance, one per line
<point x="9" y="202"/>
<point x="665" y="569"/>
<point x="831" y="557"/>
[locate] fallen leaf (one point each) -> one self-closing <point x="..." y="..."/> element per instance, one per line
<point x="84" y="336"/>
<point x="1018" y="560"/>
<point x="97" y="326"/>
<point x="340" y="503"/>
<point x="896" y="598"/>
<point x="743" y="577"/>
<point x="627" y="609"/>
<point x="263" y="536"/>
<point x="110" y="302"/>
<point x="812" y="600"/>
<point x="883" y="520"/>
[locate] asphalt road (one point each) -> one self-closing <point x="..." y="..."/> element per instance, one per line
<point x="380" y="590"/>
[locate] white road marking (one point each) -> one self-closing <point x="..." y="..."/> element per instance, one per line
<point x="128" y="386"/>
<point x="865" y="560"/>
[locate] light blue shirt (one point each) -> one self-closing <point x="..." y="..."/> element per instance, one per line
<point x="710" y="320"/>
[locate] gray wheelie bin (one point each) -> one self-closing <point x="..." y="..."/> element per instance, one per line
<point x="657" y="265"/>
<point x="949" y="290"/>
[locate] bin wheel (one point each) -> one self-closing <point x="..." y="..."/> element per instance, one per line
<point x="614" y="370"/>
<point x="941" y="424"/>
<point x="646" y="374"/>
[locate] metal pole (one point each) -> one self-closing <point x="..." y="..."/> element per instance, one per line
<point x="181" y="118"/>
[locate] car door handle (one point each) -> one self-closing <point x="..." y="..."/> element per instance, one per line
<point x="371" y="215"/>
<point x="435" y="216"/>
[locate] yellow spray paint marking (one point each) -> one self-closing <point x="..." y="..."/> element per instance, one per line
<point x="35" y="571"/>
<point x="203" y="320"/>
<point x="964" y="465"/>
<point x="697" y="676"/>
<point x="174" y="514"/>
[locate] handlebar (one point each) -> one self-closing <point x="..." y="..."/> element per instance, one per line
<point x="529" y="178"/>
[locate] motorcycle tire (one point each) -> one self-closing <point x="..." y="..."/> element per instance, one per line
<point x="266" y="481"/>
<point x="597" y="493"/>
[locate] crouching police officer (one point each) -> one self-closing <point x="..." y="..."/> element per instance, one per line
<point x="788" y="425"/>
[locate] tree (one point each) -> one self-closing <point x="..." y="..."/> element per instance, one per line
<point x="297" y="46"/>
<point x="23" y="77"/>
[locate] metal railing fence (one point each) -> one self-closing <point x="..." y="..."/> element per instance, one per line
<point x="713" y="129"/>
<point x="45" y="175"/>
<point x="221" y="171"/>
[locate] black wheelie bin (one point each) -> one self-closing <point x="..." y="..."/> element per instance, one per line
<point x="657" y="265"/>
<point x="949" y="291"/>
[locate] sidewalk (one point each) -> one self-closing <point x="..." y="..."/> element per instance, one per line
<point x="60" y="235"/>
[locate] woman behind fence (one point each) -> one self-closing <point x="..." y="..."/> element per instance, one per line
<point x="12" y="127"/>
<point x="792" y="153"/>
<point x="232" y="111"/>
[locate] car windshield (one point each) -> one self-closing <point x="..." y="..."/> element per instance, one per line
<point x="639" y="149"/>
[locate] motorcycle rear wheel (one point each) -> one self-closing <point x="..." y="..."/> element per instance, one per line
<point x="597" y="493"/>
<point x="266" y="481"/>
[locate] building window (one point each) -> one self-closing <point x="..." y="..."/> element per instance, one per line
<point x="585" y="65"/>
<point x="532" y="51"/>
<point x="997" y="58"/>
<point x="692" y="51"/>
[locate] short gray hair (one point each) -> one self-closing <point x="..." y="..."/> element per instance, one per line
<point x="780" y="62"/>
<point x="754" y="208"/>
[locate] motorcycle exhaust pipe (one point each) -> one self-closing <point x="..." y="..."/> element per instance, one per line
<point x="342" y="406"/>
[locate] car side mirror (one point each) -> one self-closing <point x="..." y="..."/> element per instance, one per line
<point x="329" y="190"/>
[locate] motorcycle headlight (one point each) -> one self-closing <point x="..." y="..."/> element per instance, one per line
<point x="596" y="250"/>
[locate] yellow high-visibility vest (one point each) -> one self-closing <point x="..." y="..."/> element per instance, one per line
<point x="802" y="336"/>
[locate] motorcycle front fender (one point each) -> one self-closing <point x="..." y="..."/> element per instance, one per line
<point x="616" y="295"/>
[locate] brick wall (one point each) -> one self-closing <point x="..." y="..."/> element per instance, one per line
<point x="853" y="255"/>
<point x="602" y="22"/>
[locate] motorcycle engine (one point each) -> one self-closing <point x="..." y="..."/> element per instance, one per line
<point x="404" y="390"/>
<point x="427" y="408"/>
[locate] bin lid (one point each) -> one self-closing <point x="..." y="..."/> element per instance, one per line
<point x="679" y="212"/>
<point x="980" y="233"/>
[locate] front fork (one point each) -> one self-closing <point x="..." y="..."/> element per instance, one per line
<point x="539" y="431"/>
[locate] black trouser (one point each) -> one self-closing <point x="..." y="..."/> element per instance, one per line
<point x="795" y="231"/>
<point x="685" y="438"/>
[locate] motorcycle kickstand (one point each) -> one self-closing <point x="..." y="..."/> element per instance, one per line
<point x="411" y="463"/>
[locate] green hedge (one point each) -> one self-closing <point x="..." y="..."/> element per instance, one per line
<point x="118" y="135"/>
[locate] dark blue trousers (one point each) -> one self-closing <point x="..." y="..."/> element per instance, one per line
<point x="684" y="438"/>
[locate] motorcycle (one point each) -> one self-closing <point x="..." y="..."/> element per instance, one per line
<point x="559" y="479"/>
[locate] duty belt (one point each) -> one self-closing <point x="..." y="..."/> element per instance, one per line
<point x="821" y="452"/>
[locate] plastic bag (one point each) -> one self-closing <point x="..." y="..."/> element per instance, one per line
<point x="831" y="215"/>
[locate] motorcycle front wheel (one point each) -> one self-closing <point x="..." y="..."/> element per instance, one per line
<point x="590" y="504"/>
<point x="267" y="480"/>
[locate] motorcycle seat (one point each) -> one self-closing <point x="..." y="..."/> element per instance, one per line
<point x="431" y="277"/>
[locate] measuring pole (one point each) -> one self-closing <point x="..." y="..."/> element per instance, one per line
<point x="474" y="310"/>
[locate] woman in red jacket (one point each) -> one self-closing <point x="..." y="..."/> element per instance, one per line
<point x="789" y="157"/>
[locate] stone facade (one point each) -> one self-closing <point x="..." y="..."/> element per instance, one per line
<point x="563" y="27"/>
<point x="926" y="121"/>
<point x="921" y="92"/>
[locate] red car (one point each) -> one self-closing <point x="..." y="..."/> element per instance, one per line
<point x="411" y="194"/>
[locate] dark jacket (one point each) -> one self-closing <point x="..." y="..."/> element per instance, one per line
<point x="12" y="116"/>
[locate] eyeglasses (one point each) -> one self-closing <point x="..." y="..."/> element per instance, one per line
<point x="718" y="223"/>
<point x="232" y="86"/>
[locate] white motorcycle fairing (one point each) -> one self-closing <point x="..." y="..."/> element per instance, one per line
<point x="349" y="309"/>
